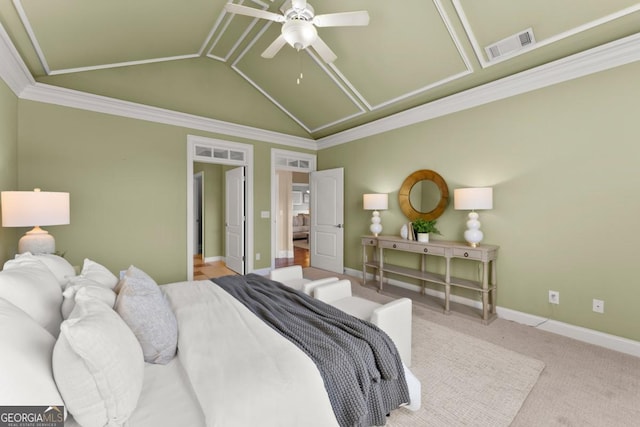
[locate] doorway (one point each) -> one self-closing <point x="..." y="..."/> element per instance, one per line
<point x="294" y="199"/>
<point x="290" y="211"/>
<point x="232" y="154"/>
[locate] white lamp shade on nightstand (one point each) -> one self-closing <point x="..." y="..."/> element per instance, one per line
<point x="34" y="209"/>
<point x="375" y="202"/>
<point x="473" y="199"/>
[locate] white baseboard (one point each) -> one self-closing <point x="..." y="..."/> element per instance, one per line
<point x="214" y="259"/>
<point x="612" y="342"/>
<point x="591" y="336"/>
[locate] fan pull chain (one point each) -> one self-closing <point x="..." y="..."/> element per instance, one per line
<point x="300" y="64"/>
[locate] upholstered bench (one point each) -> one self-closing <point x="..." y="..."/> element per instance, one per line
<point x="292" y="277"/>
<point x="394" y="317"/>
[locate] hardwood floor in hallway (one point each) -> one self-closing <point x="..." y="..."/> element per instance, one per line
<point x="208" y="270"/>
<point x="300" y="257"/>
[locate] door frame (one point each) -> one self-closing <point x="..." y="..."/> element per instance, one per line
<point x="195" y="143"/>
<point x="198" y="180"/>
<point x="291" y="161"/>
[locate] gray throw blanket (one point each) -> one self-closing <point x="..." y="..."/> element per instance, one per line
<point x="359" y="364"/>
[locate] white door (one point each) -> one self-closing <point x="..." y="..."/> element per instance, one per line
<point x="234" y="220"/>
<point x="327" y="217"/>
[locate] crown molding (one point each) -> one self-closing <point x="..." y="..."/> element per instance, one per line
<point x="624" y="51"/>
<point x="15" y="74"/>
<point x="70" y="98"/>
<point x="12" y="69"/>
<point x="607" y="56"/>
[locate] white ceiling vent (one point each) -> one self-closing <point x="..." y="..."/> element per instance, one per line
<point x="510" y="44"/>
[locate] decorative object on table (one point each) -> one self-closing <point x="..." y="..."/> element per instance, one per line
<point x="34" y="209"/>
<point x="423" y="228"/>
<point x="473" y="199"/>
<point x="404" y="231"/>
<point x="375" y="202"/>
<point x="412" y="232"/>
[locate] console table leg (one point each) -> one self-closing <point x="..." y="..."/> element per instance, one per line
<point x="485" y="291"/>
<point x="494" y="285"/>
<point x="447" y="286"/>
<point x="447" y="295"/>
<point x="381" y="258"/>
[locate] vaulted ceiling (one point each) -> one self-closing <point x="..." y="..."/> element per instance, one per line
<point x="193" y="57"/>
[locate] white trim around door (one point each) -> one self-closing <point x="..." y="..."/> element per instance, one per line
<point x="211" y="150"/>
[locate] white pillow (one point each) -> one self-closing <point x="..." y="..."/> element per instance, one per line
<point x="98" y="365"/>
<point x="60" y="267"/>
<point x="25" y="360"/>
<point x="88" y="288"/>
<point x="144" y="308"/>
<point x="94" y="271"/>
<point x="29" y="284"/>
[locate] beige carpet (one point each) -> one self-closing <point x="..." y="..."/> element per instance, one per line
<point x="582" y="385"/>
<point x="465" y="381"/>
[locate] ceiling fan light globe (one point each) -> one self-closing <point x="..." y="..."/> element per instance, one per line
<point x="299" y="34"/>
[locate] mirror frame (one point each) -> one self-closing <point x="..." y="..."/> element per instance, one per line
<point x="405" y="203"/>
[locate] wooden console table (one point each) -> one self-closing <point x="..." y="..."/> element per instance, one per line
<point x="486" y="255"/>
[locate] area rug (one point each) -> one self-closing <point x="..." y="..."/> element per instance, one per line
<point x="465" y="381"/>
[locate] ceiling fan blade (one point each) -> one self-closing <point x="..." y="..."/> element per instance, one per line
<point x="323" y="50"/>
<point x="256" y="13"/>
<point x="343" y="19"/>
<point x="274" y="47"/>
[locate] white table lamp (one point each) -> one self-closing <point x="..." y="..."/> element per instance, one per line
<point x="473" y="199"/>
<point x="375" y="202"/>
<point x="33" y="209"/>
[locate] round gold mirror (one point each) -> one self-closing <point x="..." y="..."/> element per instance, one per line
<point x="424" y="194"/>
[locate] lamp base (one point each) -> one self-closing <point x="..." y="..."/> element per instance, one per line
<point x="375" y="227"/>
<point x="472" y="234"/>
<point x="37" y="241"/>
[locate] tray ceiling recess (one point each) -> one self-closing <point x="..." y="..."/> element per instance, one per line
<point x="406" y="54"/>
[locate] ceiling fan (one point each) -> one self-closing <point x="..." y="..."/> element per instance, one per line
<point x="299" y="24"/>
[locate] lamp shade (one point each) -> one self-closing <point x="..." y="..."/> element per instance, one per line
<point x="473" y="198"/>
<point x="34" y="208"/>
<point x="374" y="202"/>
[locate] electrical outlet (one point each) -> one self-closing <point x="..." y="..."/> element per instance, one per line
<point x="554" y="297"/>
<point x="258" y="256"/>
<point x="598" y="306"/>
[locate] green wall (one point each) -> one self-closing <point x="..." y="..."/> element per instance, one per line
<point x="8" y="162"/>
<point x="127" y="180"/>
<point x="563" y="162"/>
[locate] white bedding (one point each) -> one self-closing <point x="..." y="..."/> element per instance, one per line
<point x="167" y="399"/>
<point x="243" y="372"/>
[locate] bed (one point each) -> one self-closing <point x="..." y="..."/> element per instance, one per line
<point x="125" y="351"/>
